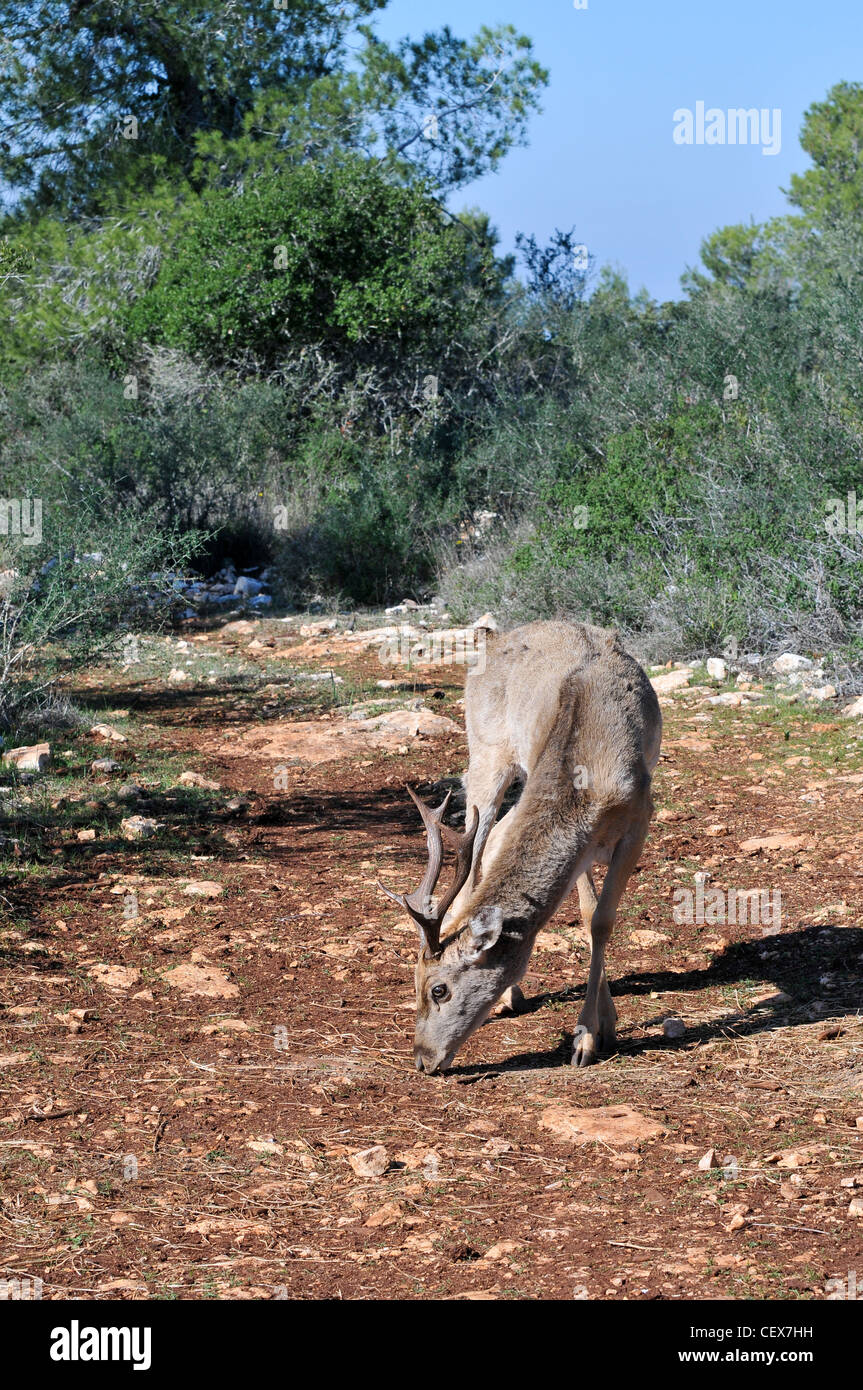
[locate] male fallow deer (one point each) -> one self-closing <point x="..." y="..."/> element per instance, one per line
<point x="564" y="708"/>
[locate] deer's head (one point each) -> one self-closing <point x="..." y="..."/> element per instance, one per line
<point x="459" y="979"/>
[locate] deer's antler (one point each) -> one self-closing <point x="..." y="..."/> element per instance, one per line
<point x="427" y="914"/>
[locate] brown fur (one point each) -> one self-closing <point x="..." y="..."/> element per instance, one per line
<point x="563" y="707"/>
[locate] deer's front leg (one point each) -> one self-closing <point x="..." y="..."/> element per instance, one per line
<point x="596" y="1034"/>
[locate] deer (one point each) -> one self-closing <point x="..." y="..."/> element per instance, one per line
<point x="563" y="709"/>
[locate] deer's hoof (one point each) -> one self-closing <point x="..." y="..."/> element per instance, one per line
<point x="583" y="1047"/>
<point x="510" y="1002"/>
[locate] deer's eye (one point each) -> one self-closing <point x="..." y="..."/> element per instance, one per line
<point x="439" y="992"/>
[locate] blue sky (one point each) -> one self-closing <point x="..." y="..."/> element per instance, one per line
<point x="602" y="156"/>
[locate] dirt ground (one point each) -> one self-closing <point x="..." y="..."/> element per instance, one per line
<point x="201" y="1029"/>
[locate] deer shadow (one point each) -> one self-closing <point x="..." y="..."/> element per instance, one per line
<point x="815" y="972"/>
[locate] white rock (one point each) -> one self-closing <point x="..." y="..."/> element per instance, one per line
<point x="823" y="692"/>
<point x="177" y="676"/>
<point x="207" y="980"/>
<point x="791" y="661"/>
<point x="412" y="722"/>
<point x="114" y="976"/>
<point x="194" y="779"/>
<point x="855" y="709"/>
<point x="370" y="1163"/>
<point x="708" y="1161"/>
<point x="671" y="680"/>
<point x="717" y="668"/>
<point x="246" y="587"/>
<point x="32" y="758"/>
<point x="105" y="765"/>
<point x="486" y="623"/>
<point x="203" y="888"/>
<point x="138" y="827"/>
<point x="105" y="731"/>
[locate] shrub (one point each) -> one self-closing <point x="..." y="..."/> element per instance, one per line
<point x="76" y="593"/>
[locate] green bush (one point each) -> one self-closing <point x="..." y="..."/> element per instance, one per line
<point x="341" y="258"/>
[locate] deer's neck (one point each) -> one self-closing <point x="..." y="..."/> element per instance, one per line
<point x="535" y="869"/>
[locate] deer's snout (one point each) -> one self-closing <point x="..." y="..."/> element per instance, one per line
<point x="425" y="1061"/>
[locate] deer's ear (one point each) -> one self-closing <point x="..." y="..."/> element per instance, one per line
<point x="484" y="928"/>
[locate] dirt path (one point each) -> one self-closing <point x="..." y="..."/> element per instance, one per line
<point x="188" y="1132"/>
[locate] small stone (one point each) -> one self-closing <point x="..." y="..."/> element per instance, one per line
<point x="671" y="680"/>
<point x="194" y="779"/>
<point x="386" y="1215"/>
<point x="645" y="937"/>
<point x="207" y="980"/>
<point x="177" y="676"/>
<point x="773" y="998"/>
<point x="616" y="1125"/>
<point x="86" y="834"/>
<point x="264" y="1146"/>
<point x="717" y="668"/>
<point x="130" y="791"/>
<point x="855" y="1206"/>
<point x="708" y="1161"/>
<point x="246" y="587"/>
<point x="203" y="888"/>
<point x="791" y="661"/>
<point x="370" y="1163"/>
<point x="138" y="827"/>
<point x="115" y="976"/>
<point x="502" y="1249"/>
<point x="34" y="757"/>
<point x="673" y="1028"/>
<point x="105" y="731"/>
<point x="106" y="766"/>
<point x="781" y="840"/>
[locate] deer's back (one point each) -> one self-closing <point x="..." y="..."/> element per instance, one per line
<point x="563" y="695"/>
